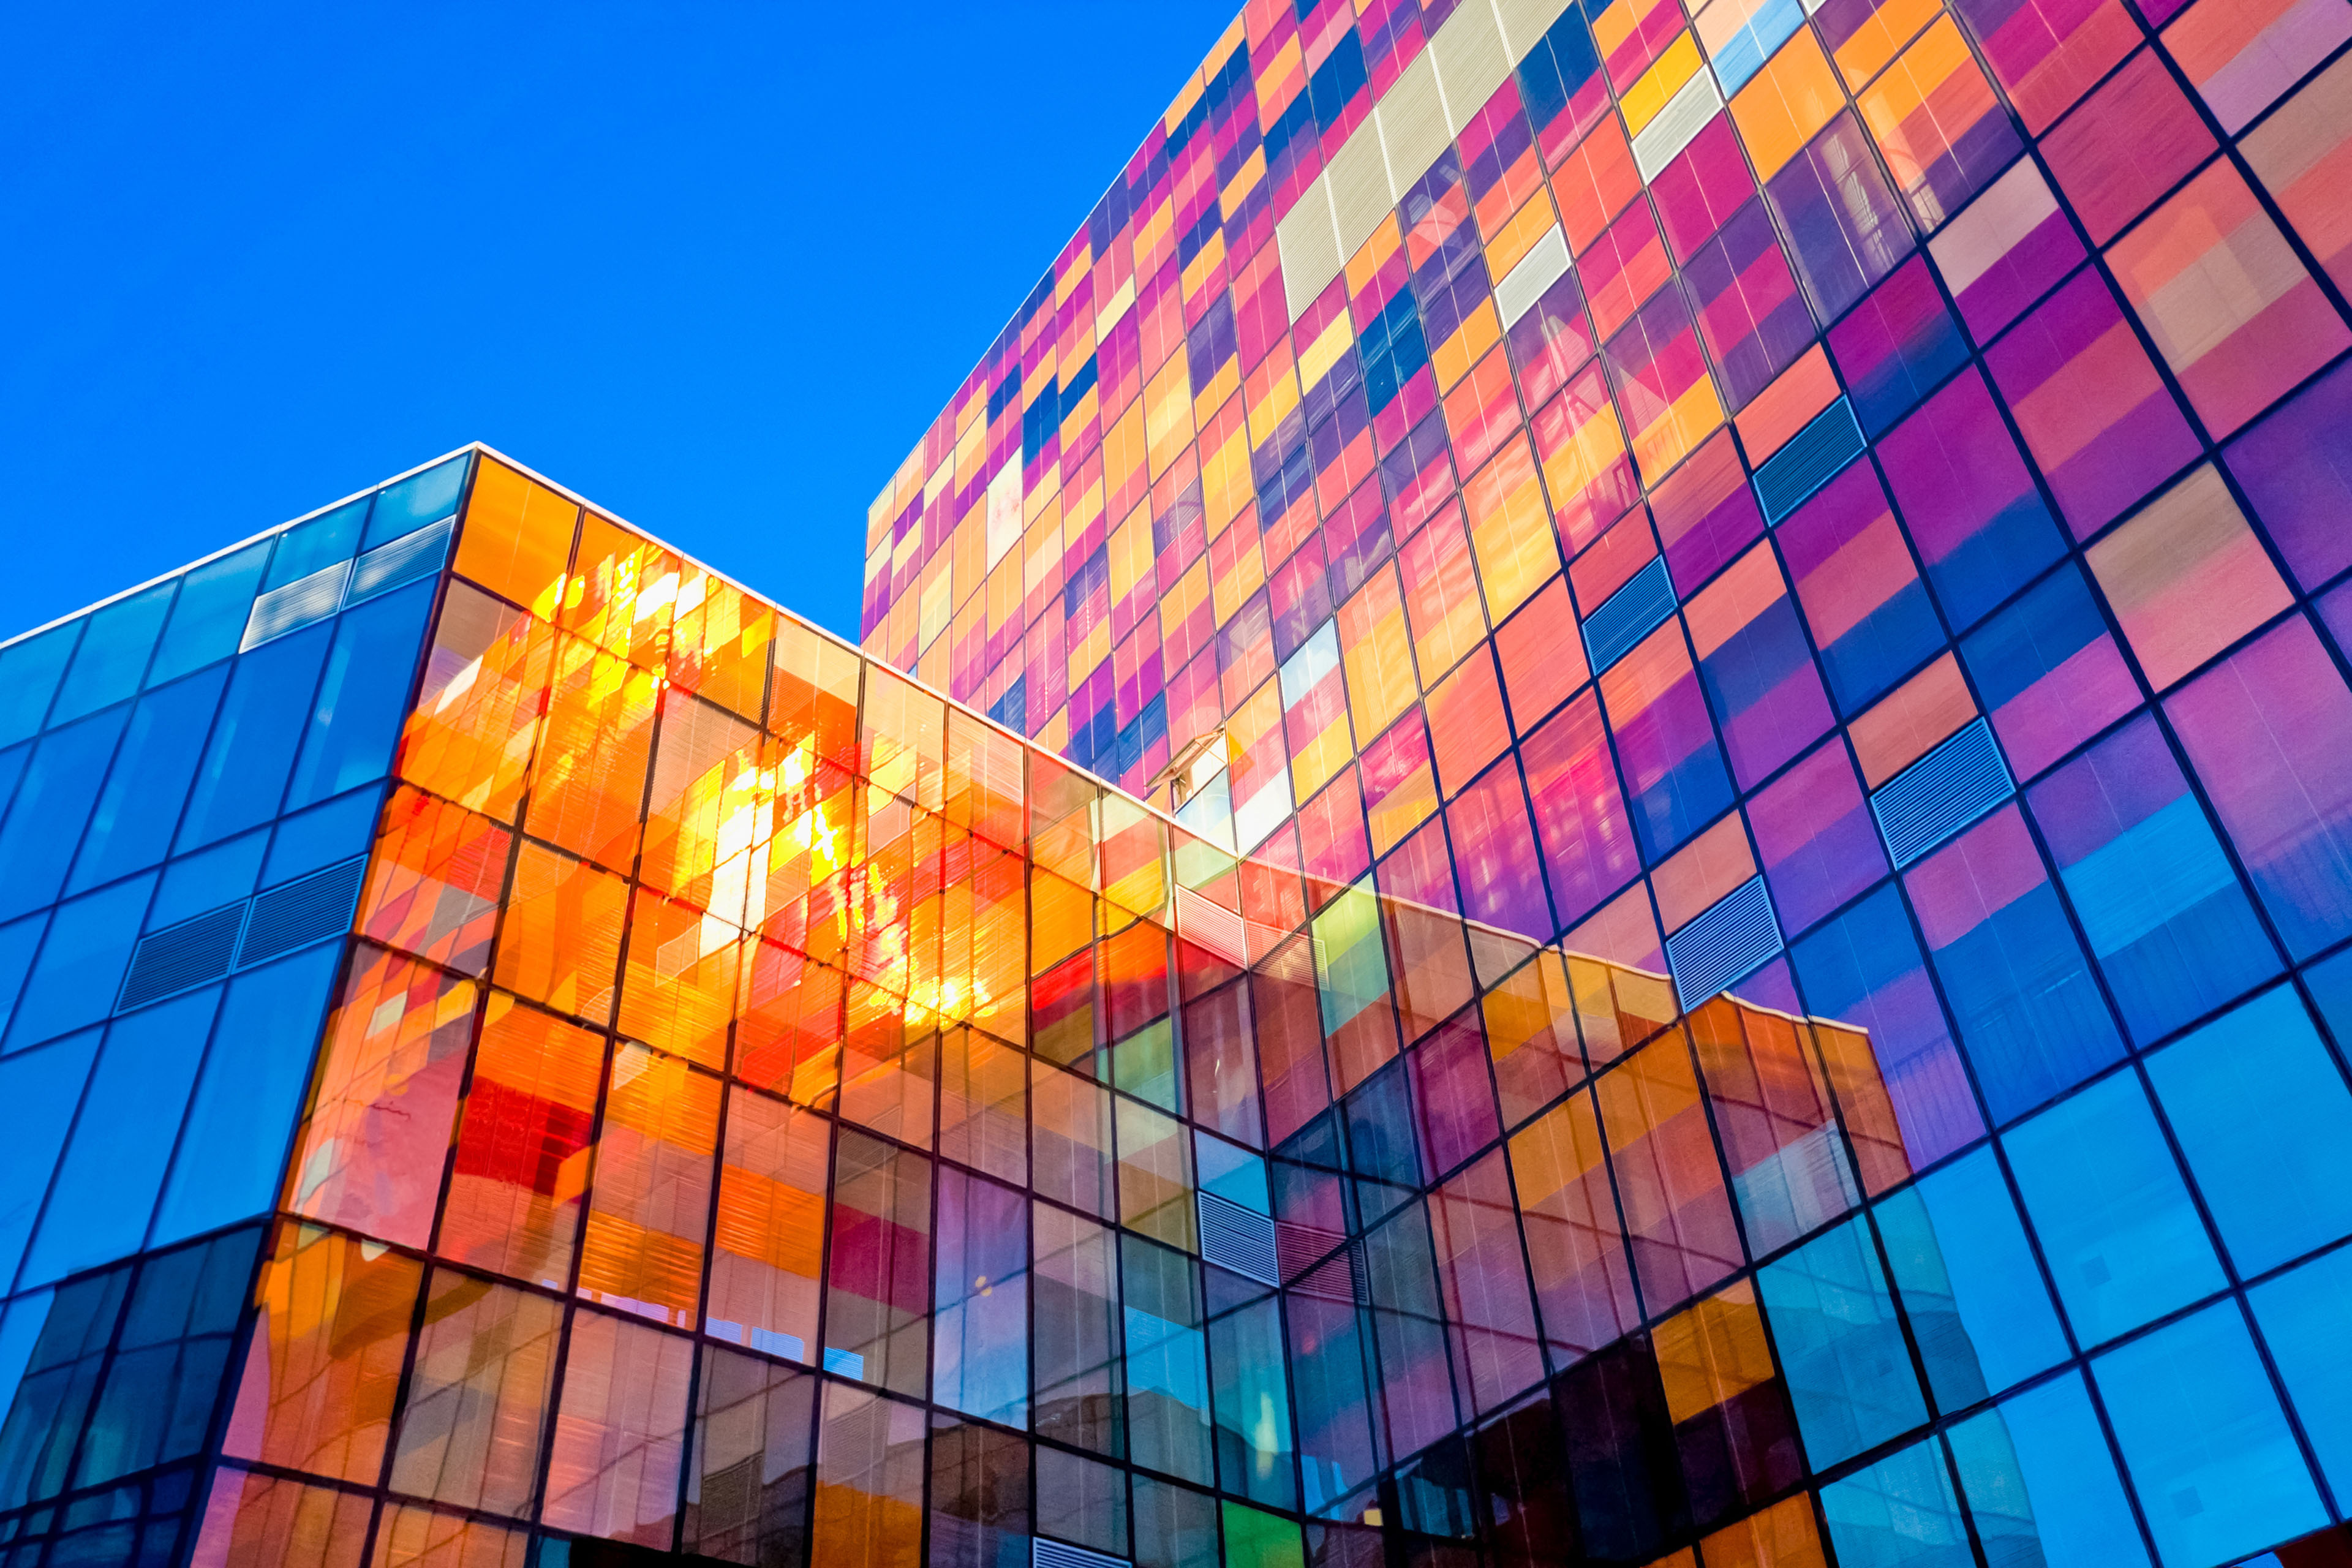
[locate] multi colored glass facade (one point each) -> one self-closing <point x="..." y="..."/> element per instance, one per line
<point x="1839" y="502"/>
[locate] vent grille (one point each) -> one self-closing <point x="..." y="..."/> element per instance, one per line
<point x="1814" y="457"/>
<point x="1629" y="614"/>
<point x="1940" y="793"/>
<point x="1239" y="1239"/>
<point x="302" y="911"/>
<point x="1302" y="1250"/>
<point x="1684" y="117"/>
<point x="1515" y="295"/>
<point x="1724" y="946"/>
<point x="401" y="562"/>
<point x="177" y="958"/>
<point x="303" y="602"/>
<point x="1045" y="1554"/>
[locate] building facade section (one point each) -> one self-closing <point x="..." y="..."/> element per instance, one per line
<point x="734" y="1104"/>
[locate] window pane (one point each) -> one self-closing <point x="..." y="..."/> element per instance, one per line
<point x="619" y="1434"/>
<point x="478" y="1395"/>
<point x="1976" y="1299"/>
<point x="260" y="723"/>
<point x="747" y="1498"/>
<point x="2218" y="1472"/>
<point x="1842" y="1349"/>
<point x="325" y="1358"/>
<point x="2041" y="1483"/>
<point x="209" y="619"/>
<point x="113" y="654"/>
<point x="2124" y="1242"/>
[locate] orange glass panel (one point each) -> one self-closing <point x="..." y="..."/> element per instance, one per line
<point x="477" y="1396"/>
<point x="788" y="1040"/>
<point x="799" y="873"/>
<point x="410" y="1536"/>
<point x="812" y="700"/>
<point x="984" y="1105"/>
<point x="768" y="1260"/>
<point x="649" y="1199"/>
<point x="622" y="593"/>
<point x="588" y="786"/>
<point x="720" y="644"/>
<point x="681" y="978"/>
<point x="1677" y="1213"/>
<point x="983" y="780"/>
<point x="562" y="944"/>
<point x="260" y="1522"/>
<point x="370" y="1152"/>
<point x="1782" y="1536"/>
<point x="1531" y="1036"/>
<point x="469" y="736"/>
<point x="1583" y="1283"/>
<point x="620" y="1433"/>
<point x="522" y="1145"/>
<point x="870" y="1486"/>
<point x="517" y="538"/>
<point x="433" y="887"/>
<point x="704" y="807"/>
<point x="903" y="737"/>
<point x="889" y="1067"/>
<point x="324" y="1362"/>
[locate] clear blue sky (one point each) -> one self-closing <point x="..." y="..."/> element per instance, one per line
<point x="715" y="265"/>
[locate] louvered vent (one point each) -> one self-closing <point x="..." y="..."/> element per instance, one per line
<point x="1727" y="943"/>
<point x="1941" y="793"/>
<point x="1515" y="295"/>
<point x="1308" y="242"/>
<point x="1812" y="458"/>
<point x="1238" y="1237"/>
<point x="1524" y="22"/>
<point x="193" y="952"/>
<point x="1629" y="614"/>
<point x="301" y="603"/>
<point x="302" y="911"/>
<point x="1302" y="1249"/>
<point x="401" y="562"/>
<point x="1684" y="117"/>
<point x="1045" y="1554"/>
<point x="1361" y="198"/>
<point x="1471" y="63"/>
<point x="1412" y="122"/>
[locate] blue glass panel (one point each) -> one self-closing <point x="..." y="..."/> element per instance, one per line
<point x="1167" y="1363"/>
<point x="261" y="724"/>
<point x="322" y="835"/>
<point x="242" y="1117"/>
<point x="221" y="875"/>
<point x="61" y="785"/>
<point x="2301" y="1315"/>
<point x="12" y="768"/>
<point x="2041" y="1482"/>
<point x="2218" y="1471"/>
<point x="113" y="654"/>
<point x="209" y="619"/>
<point x="20" y="1326"/>
<point x="1898" y="1514"/>
<point x="1841" y="1348"/>
<point x="40" y="1090"/>
<point x="28" y="678"/>
<point x="2167" y="920"/>
<point x="2123" y="1241"/>
<point x="416" y="500"/>
<point x="140" y="806"/>
<point x="363" y="696"/>
<point x="18" y="941"/>
<point x="321" y="542"/>
<point x="1978" y="1309"/>
<point x="2265" y="1121"/>
<point x="107" y="1185"/>
<point x="75" y="980"/>
<point x="2331" y="988"/>
<point x="1253" y="1405"/>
